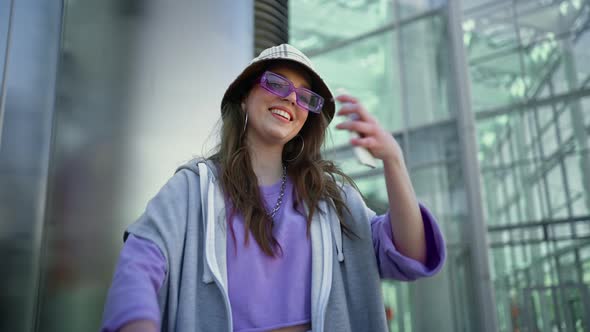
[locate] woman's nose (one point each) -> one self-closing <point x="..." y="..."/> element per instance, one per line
<point x="292" y="97"/>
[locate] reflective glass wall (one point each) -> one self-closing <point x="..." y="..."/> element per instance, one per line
<point x="530" y="82"/>
<point x="29" y="51"/>
<point x="100" y="101"/>
<point x="528" y="85"/>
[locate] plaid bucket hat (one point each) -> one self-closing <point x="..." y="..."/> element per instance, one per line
<point x="284" y="52"/>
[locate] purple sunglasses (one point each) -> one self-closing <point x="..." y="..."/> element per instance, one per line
<point x="282" y="87"/>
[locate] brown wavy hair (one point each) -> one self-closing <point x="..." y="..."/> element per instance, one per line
<point x="314" y="178"/>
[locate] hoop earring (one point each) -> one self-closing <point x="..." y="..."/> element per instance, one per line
<point x="245" y="124"/>
<point x="300" y="151"/>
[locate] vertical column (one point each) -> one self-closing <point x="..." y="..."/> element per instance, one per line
<point x="582" y="142"/>
<point x="6" y="10"/>
<point x="29" y="43"/>
<point x="577" y="117"/>
<point x="483" y="287"/>
<point x="403" y="85"/>
<point x="271" y="24"/>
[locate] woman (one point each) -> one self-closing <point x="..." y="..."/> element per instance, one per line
<point x="265" y="235"/>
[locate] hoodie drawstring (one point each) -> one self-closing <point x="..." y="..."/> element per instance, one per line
<point x="337" y="235"/>
<point x="204" y="181"/>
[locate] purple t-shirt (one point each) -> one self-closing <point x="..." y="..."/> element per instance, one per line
<point x="255" y="279"/>
<point x="267" y="293"/>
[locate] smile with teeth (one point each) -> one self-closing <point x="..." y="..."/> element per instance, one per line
<point x="281" y="113"/>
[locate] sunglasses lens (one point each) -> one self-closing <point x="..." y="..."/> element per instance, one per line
<point x="278" y="85"/>
<point x="309" y="100"/>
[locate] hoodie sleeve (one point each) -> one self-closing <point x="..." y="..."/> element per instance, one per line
<point x="139" y="275"/>
<point x="153" y="245"/>
<point x="164" y="220"/>
<point x="394" y="265"/>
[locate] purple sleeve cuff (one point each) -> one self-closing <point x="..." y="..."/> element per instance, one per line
<point x="394" y="265"/>
<point x="138" y="277"/>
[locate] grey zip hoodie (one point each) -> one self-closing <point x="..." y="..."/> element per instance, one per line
<point x="187" y="221"/>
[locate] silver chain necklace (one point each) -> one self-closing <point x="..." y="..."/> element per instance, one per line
<point x="272" y="213"/>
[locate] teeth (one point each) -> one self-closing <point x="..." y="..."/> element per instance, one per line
<point x="281" y="113"/>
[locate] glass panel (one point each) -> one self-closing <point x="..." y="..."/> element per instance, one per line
<point x="82" y="230"/>
<point x="27" y="93"/>
<point x="489" y="31"/>
<point x="540" y="61"/>
<point x="472" y="5"/>
<point x="554" y="40"/>
<point x="131" y="105"/>
<point x="525" y="182"/>
<point x="395" y="300"/>
<point x="581" y="52"/>
<point x="4" y="15"/>
<point x="369" y="71"/>
<point x="409" y="8"/>
<point x="340" y="20"/>
<point x="573" y="165"/>
<point x="425" y="65"/>
<point x="538" y="17"/>
<point x="497" y="81"/>
<point x="549" y="141"/>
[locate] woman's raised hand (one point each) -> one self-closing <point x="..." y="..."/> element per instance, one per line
<point x="373" y="137"/>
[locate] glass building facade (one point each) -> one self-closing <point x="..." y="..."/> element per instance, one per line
<point x="516" y="87"/>
<point x="490" y="101"/>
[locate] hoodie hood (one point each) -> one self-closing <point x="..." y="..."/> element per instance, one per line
<point x="192" y="166"/>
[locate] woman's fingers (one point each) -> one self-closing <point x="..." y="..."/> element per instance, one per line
<point x="345" y="98"/>
<point x="361" y="127"/>
<point x="351" y="106"/>
<point x="366" y="142"/>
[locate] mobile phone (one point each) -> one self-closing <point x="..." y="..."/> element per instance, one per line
<point x="363" y="155"/>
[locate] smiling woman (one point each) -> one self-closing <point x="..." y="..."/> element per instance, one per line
<point x="268" y="180"/>
<point x="274" y="119"/>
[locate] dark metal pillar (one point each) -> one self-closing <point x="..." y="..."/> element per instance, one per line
<point x="271" y="23"/>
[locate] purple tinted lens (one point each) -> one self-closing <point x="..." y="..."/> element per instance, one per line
<point x="309" y="100"/>
<point x="278" y="85"/>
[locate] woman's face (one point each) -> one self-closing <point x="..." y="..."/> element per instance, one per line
<point x="273" y="120"/>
